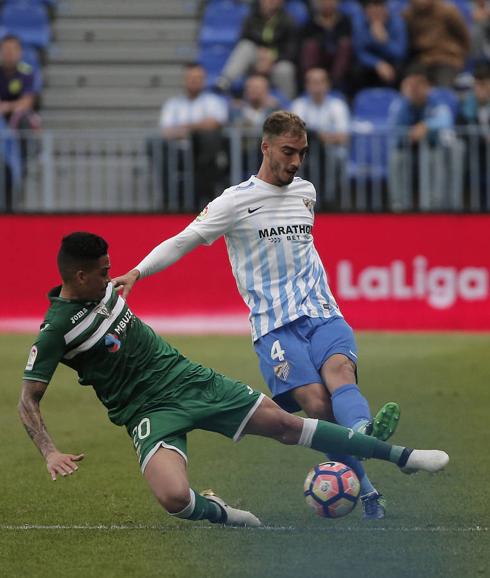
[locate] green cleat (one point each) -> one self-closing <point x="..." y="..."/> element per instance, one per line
<point x="385" y="422"/>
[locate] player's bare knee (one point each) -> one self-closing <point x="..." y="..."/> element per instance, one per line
<point x="289" y="429"/>
<point x="318" y="409"/>
<point x="174" y="500"/>
<point x="340" y="368"/>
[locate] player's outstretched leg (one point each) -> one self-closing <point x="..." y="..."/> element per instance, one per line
<point x="166" y="473"/>
<point x="270" y="420"/>
<point x="232" y="516"/>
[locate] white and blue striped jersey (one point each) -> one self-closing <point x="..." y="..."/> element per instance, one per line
<point x="268" y="234"/>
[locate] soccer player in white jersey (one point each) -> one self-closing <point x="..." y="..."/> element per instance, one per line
<point x="307" y="352"/>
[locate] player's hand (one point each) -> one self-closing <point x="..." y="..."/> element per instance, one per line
<point x="125" y="283"/>
<point x="62" y="464"/>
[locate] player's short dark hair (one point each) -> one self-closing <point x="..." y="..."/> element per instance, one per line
<point x="80" y="251"/>
<point x="283" y="122"/>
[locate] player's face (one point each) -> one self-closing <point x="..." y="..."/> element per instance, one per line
<point x="93" y="283"/>
<point x="283" y="156"/>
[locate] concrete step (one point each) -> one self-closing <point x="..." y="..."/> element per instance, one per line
<point x="137" y="30"/>
<point x="110" y="98"/>
<point x="80" y="119"/>
<point x="123" y="76"/>
<point x="128" y="8"/>
<point x="144" y="52"/>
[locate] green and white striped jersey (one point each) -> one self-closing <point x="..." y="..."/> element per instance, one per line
<point x="128" y="365"/>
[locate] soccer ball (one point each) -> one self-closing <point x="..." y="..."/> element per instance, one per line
<point x="331" y="489"/>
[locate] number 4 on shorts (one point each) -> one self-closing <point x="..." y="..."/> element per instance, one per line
<point x="277" y="352"/>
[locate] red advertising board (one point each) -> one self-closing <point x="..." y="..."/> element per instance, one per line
<point x="413" y="272"/>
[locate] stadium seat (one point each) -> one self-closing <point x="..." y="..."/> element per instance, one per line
<point x="31" y="56"/>
<point x="213" y="58"/>
<point x="298" y="11"/>
<point x="222" y="22"/>
<point x="369" y="142"/>
<point x="27" y="21"/>
<point x="449" y="97"/>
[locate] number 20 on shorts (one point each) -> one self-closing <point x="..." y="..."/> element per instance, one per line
<point x="139" y="433"/>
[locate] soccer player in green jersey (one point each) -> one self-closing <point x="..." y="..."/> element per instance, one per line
<point x="159" y="395"/>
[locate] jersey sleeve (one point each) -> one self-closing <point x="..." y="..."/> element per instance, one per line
<point x="215" y="219"/>
<point x="46" y="352"/>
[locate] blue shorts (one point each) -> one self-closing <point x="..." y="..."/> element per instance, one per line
<point x="293" y="355"/>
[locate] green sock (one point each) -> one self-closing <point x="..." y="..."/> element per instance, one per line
<point x="328" y="437"/>
<point x="199" y="508"/>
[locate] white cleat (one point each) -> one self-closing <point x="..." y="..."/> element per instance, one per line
<point x="426" y="460"/>
<point x="234" y="517"/>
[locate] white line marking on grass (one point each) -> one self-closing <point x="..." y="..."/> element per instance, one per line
<point x="347" y="529"/>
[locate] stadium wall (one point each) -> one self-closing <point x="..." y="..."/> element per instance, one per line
<point x="410" y="272"/>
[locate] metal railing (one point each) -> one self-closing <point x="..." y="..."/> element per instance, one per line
<point x="135" y="171"/>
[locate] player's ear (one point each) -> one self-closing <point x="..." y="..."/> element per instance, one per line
<point x="264" y="146"/>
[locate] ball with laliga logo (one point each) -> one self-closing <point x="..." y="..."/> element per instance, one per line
<point x="331" y="489"/>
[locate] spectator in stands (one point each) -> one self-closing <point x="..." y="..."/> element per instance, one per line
<point x="438" y="39"/>
<point x="198" y="116"/>
<point x="474" y="115"/>
<point x="380" y="45"/>
<point x="17" y="92"/>
<point x="480" y="31"/>
<point x="271" y="28"/>
<point x="327" y="43"/>
<point x="257" y="104"/>
<point x="249" y="113"/>
<point x="327" y="118"/>
<point x="427" y="156"/>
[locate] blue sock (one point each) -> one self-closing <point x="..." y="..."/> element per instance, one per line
<point x="353" y="463"/>
<point x="350" y="407"/>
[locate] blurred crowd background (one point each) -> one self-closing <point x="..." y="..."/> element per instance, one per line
<point x="158" y="105"/>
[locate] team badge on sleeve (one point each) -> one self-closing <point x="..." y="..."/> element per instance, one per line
<point x="203" y="214"/>
<point x="32" y="358"/>
<point x="309" y="204"/>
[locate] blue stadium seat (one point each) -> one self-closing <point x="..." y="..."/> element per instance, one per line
<point x="350" y="8"/>
<point x="298" y="11"/>
<point x="31" y="56"/>
<point x="370" y="138"/>
<point x="372" y="104"/>
<point x="222" y="22"/>
<point x="213" y="58"/>
<point x="27" y="21"/>
<point x="449" y="97"/>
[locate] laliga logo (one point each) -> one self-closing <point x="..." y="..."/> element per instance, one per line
<point x="439" y="286"/>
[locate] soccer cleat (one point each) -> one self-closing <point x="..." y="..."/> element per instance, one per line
<point x="385" y="422"/>
<point x="426" y="460"/>
<point x="233" y="516"/>
<point x="373" y="506"/>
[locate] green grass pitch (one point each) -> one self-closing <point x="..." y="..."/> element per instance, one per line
<point x="437" y="526"/>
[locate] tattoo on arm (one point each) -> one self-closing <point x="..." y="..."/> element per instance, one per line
<point x="30" y="415"/>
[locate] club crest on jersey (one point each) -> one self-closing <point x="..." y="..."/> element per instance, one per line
<point x="203" y="214"/>
<point x="112" y="343"/>
<point x="282" y="370"/>
<point x="102" y="310"/>
<point x="309" y="204"/>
